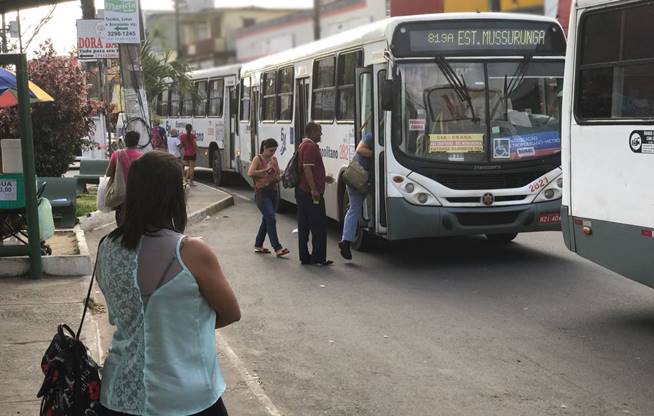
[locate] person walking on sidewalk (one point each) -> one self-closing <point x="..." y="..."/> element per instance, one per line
<point x="265" y="172"/>
<point x="364" y="155"/>
<point x="126" y="157"/>
<point x="163" y="290"/>
<point x="174" y="144"/>
<point x="189" y="141"/>
<point x="311" y="215"/>
<point x="158" y="137"/>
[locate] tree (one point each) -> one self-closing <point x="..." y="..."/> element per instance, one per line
<point x="58" y="127"/>
<point x="88" y="9"/>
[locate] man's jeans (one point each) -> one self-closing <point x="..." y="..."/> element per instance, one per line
<point x="353" y="214"/>
<point x="266" y="202"/>
<point x="311" y="218"/>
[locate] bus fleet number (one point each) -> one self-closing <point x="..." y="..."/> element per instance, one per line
<point x="539" y="184"/>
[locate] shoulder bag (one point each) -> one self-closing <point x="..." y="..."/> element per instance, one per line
<point x="356" y="176"/>
<point x="117" y="187"/>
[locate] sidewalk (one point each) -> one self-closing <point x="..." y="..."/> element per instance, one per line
<point x="31" y="310"/>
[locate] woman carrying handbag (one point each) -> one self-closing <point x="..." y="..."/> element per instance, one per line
<point x="117" y="174"/>
<point x="265" y="172"/>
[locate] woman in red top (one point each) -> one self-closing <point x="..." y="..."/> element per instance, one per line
<point x="190" y="144"/>
<point x="126" y="157"/>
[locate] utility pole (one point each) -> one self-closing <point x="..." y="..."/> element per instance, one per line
<point x="20" y="35"/>
<point x="178" y="41"/>
<point x="4" y="34"/>
<point x="316" y="19"/>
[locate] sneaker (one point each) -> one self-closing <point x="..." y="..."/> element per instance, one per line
<point x="324" y="263"/>
<point x="345" y="249"/>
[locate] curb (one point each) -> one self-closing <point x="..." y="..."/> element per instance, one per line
<point x="218" y="206"/>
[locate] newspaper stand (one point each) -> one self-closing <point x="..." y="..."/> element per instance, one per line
<point x="23" y="186"/>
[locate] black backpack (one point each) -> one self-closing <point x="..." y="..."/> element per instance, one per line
<point x="291" y="176"/>
<point x="71" y="386"/>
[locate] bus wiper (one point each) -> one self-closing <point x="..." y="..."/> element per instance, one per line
<point x="510" y="87"/>
<point x="459" y="85"/>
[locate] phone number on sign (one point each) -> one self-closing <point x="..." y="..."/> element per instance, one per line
<point x="121" y="34"/>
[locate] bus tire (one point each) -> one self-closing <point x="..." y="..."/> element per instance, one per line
<point x="216" y="167"/>
<point x="501" y="238"/>
<point x="362" y="238"/>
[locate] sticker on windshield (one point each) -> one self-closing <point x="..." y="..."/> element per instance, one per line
<point x="642" y="141"/>
<point x="417" y="124"/>
<point x="456" y="143"/>
<point x="501" y="148"/>
<point x="532" y="145"/>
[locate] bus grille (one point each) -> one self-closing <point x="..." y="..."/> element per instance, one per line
<point x="488" y="180"/>
<point x="487" y="218"/>
<point x="473" y="199"/>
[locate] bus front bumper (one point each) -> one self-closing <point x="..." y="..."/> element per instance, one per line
<point x="406" y="220"/>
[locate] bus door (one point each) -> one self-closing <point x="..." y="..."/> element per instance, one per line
<point x="303" y="89"/>
<point x="254" y="122"/>
<point x="364" y="124"/>
<point x="382" y="131"/>
<point x="230" y="125"/>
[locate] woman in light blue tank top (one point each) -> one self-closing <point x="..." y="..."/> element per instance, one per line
<point x="166" y="294"/>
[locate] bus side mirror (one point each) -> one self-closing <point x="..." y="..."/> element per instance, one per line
<point x="387" y="95"/>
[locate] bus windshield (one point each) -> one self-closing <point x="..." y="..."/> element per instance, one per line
<point x="481" y="111"/>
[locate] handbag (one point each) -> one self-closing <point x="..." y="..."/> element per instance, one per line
<point x="100" y="203"/>
<point x="71" y="385"/>
<point x="356" y="176"/>
<point x="117" y="188"/>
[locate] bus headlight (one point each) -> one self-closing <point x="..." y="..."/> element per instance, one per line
<point x="551" y="192"/>
<point x="413" y="192"/>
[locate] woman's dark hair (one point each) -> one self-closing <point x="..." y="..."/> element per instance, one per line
<point x="155" y="198"/>
<point x="132" y="138"/>
<point x="189" y="127"/>
<point x="267" y="144"/>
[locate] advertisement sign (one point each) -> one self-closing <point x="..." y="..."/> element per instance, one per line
<point x="122" y="21"/>
<point x="456" y="143"/>
<point x="521" y="146"/>
<point x="8" y="189"/>
<point x="90" y="41"/>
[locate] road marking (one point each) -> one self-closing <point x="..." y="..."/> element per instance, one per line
<point x="250" y="381"/>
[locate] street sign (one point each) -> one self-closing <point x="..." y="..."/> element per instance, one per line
<point x="91" y="45"/>
<point x="122" y="21"/>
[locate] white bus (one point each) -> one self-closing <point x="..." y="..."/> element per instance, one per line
<point x="464" y="108"/>
<point x="213" y="114"/>
<point x="608" y="136"/>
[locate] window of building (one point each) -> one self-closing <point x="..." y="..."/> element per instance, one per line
<point x="323" y="103"/>
<point x="187" y="104"/>
<point x="285" y="97"/>
<point x="201" y="99"/>
<point x="269" y="87"/>
<point x="615" y="77"/>
<point x="175" y="103"/>
<point x="216" y="93"/>
<point x="347" y="65"/>
<point x="245" y="99"/>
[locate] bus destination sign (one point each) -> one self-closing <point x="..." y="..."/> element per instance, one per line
<point x="479" y="37"/>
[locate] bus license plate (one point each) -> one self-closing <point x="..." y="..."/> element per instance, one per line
<point x="549" y="218"/>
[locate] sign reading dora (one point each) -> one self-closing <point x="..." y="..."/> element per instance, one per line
<point x="479" y="37"/>
<point x="121" y="18"/>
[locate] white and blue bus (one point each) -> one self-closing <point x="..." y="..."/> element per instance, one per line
<point x="464" y="109"/>
<point x="213" y="114"/>
<point x="608" y="136"/>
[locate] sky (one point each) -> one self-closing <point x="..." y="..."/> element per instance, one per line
<point x="61" y="28"/>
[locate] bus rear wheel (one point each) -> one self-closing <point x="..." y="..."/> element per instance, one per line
<point x="501" y="238"/>
<point x="216" y="167"/>
<point x="362" y="238"/>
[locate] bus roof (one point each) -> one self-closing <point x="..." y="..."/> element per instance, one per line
<point x="216" y="72"/>
<point x="381" y="30"/>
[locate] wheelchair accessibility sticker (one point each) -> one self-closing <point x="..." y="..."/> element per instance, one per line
<point x="642" y="141"/>
<point x="8" y="189"/>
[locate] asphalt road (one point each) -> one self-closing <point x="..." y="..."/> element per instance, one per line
<point x="436" y="327"/>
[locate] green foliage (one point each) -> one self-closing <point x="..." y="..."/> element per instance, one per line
<point x="86" y="204"/>
<point x="159" y="71"/>
<point x="59" y="127"/>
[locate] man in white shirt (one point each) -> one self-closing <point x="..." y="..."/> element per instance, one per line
<point x="174" y="143"/>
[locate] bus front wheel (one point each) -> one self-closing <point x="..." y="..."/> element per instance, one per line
<point x="216" y="167"/>
<point x="501" y="238"/>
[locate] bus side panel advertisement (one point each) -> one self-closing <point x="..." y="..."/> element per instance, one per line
<point x="530" y="145"/>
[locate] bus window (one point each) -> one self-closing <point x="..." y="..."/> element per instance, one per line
<point x="285" y="96"/>
<point x="324" y="90"/>
<point x="163" y="104"/>
<point x="347" y="65"/>
<point x="615" y="76"/>
<point x="269" y="96"/>
<point x="245" y="99"/>
<point x="216" y="93"/>
<point x="201" y="100"/>
<point x="187" y="104"/>
<point x="175" y="104"/>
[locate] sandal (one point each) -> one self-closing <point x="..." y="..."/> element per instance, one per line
<point x="282" y="252"/>
<point x="261" y="250"/>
